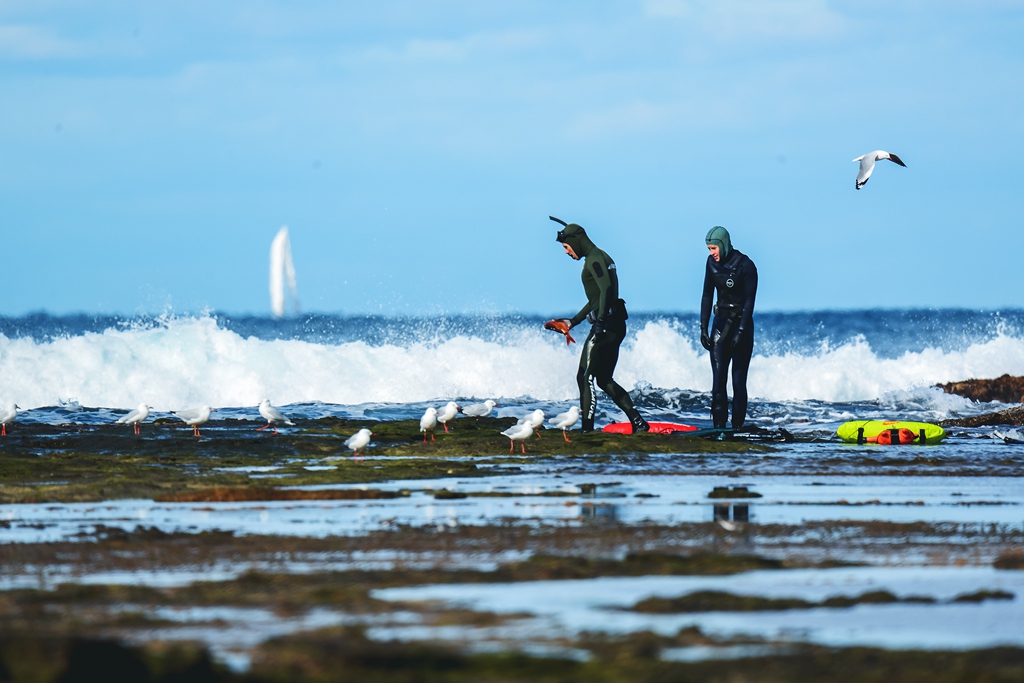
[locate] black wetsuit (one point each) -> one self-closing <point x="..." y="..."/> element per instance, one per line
<point x="732" y="333"/>
<point x="600" y="353"/>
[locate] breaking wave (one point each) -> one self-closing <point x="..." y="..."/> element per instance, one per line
<point x="187" y="361"/>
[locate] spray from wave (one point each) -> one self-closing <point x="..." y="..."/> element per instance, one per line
<point x="182" y="362"/>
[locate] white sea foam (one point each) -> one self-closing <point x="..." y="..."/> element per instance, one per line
<point x="195" y="361"/>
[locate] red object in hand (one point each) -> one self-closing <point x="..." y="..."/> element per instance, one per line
<point x="561" y="328"/>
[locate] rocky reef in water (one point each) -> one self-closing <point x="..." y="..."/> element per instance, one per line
<point x="1005" y="389"/>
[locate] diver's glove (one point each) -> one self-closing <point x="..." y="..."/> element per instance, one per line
<point x="705" y="340"/>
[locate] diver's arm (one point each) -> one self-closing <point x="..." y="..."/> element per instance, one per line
<point x="705" y="307"/>
<point x="581" y="316"/>
<point x="708" y="298"/>
<point x="749" y="293"/>
<point x="604" y="284"/>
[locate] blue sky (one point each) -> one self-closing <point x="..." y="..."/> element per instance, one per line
<point x="149" y="151"/>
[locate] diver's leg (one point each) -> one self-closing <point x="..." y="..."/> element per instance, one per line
<point x="740" y="364"/>
<point x="585" y="382"/>
<point x="719" y="378"/>
<point x="603" y="361"/>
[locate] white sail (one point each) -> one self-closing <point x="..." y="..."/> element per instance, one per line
<point x="282" y="272"/>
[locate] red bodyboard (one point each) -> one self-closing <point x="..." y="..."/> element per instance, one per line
<point x="656" y="428"/>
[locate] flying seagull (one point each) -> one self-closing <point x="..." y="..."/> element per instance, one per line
<point x="867" y="164"/>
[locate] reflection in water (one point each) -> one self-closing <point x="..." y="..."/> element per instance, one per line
<point x="599" y="512"/>
<point x="740" y="512"/>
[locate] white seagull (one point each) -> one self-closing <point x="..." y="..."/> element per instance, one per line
<point x="534" y="419"/>
<point x="428" y="423"/>
<point x="358" y="441"/>
<point x="273" y="416"/>
<point x="519" y="432"/>
<point x="867" y="165"/>
<point x="8" y="413"/>
<point x="136" y="416"/>
<point x="566" y="421"/>
<point x="448" y="413"/>
<point x="194" y="417"/>
<point x="480" y="409"/>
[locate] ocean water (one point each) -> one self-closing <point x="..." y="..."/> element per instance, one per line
<point x="811" y="366"/>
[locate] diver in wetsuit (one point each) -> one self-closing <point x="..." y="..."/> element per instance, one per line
<point x="731" y="340"/>
<point x="607" y="315"/>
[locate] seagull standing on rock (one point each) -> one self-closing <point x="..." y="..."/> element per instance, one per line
<point x="867" y="165"/>
<point x="566" y="421"/>
<point x="519" y="432"/>
<point x="534" y="419"/>
<point x="358" y="441"/>
<point x="479" y="409"/>
<point x="428" y="423"/>
<point x="448" y="413"/>
<point x="194" y="417"/>
<point x="273" y="416"/>
<point x="136" y="416"/>
<point x="8" y="413"/>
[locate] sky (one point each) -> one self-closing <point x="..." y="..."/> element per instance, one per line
<point x="150" y="151"/>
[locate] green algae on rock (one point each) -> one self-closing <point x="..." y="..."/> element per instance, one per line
<point x="101" y="463"/>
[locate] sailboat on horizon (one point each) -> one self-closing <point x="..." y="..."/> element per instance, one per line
<point x="282" y="274"/>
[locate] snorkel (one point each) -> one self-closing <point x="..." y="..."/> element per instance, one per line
<point x="575" y="236"/>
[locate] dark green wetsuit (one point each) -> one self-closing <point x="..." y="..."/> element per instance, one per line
<point x="608" y="314"/>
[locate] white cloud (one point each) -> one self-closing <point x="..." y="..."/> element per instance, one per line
<point x="475" y="45"/>
<point x="31" y="42"/>
<point x="734" y="20"/>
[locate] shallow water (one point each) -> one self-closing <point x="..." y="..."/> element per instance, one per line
<point x="565" y="608"/>
<point x="790" y="500"/>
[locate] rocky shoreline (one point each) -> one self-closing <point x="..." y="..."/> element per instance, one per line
<point x="1005" y="389"/>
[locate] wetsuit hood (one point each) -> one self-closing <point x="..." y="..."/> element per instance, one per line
<point x="720" y="236"/>
<point x="576" y="237"/>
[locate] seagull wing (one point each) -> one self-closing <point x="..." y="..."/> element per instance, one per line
<point x="188" y="414"/>
<point x="133" y="416"/>
<point x="867" y="166"/>
<point x="896" y="160"/>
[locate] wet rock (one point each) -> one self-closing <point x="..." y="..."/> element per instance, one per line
<point x="239" y="494"/>
<point x="1010" y="560"/>
<point x="983" y="595"/>
<point x="733" y="492"/>
<point x="1005" y="389"/>
<point x="445" y="494"/>
<point x="1010" y="416"/>
<point x="721" y="601"/>
<point x="92" y="660"/>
